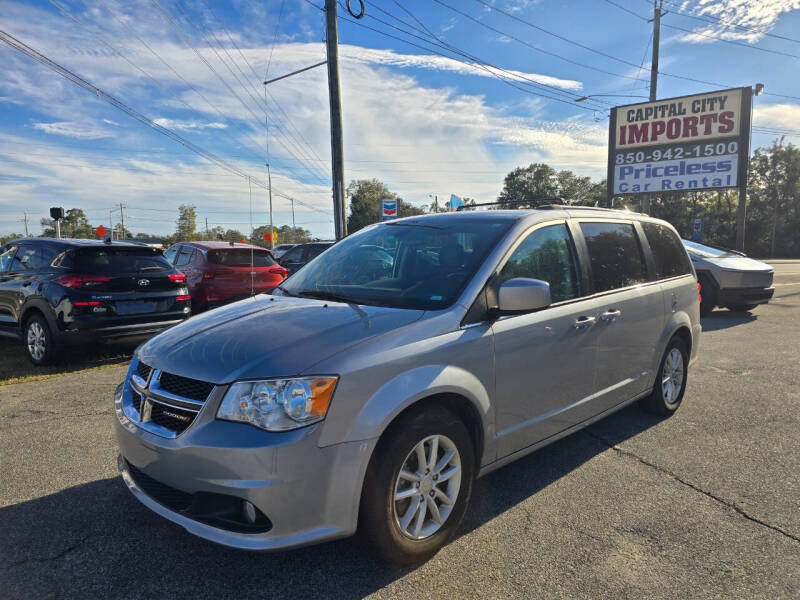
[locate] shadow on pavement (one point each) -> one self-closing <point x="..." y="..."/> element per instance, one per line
<point x="96" y="540"/>
<point x="724" y="319"/>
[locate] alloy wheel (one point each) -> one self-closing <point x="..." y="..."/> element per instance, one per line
<point x="36" y="340"/>
<point x="672" y="376"/>
<point x="427" y="487"/>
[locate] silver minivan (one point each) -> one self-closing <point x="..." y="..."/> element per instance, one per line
<point x="369" y="394"/>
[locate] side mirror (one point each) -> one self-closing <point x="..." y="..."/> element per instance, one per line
<point x="522" y="294"/>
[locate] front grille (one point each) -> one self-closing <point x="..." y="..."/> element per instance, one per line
<point x="163" y="494"/>
<point x="183" y="386"/>
<point x="143" y="371"/>
<point x="137" y="401"/>
<point x="174" y="419"/>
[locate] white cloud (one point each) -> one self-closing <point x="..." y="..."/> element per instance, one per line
<point x="71" y="129"/>
<point x="777" y="115"/>
<point x="188" y="125"/>
<point x="758" y="15"/>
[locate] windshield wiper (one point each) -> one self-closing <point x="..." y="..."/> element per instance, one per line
<point x="284" y="290"/>
<point x="153" y="268"/>
<point x="322" y="295"/>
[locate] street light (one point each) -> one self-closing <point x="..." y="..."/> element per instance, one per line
<point x="584" y="98"/>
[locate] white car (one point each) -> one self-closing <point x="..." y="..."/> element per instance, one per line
<point x="729" y="278"/>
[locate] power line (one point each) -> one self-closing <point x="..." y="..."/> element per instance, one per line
<point x="23" y="48"/>
<point x="475" y="64"/>
<point x="605" y="54"/>
<point x="717" y="21"/>
<point x="732" y="42"/>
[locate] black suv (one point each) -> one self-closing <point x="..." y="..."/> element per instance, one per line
<point x="302" y="254"/>
<point x="55" y="293"/>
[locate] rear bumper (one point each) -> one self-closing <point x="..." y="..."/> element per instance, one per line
<point x="745" y="296"/>
<point x="86" y="334"/>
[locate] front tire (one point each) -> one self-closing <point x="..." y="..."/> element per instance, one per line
<point x="708" y="292"/>
<point x="671" y="379"/>
<point x="39" y="342"/>
<point x="418" y="485"/>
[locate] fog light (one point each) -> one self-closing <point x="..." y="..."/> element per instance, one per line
<point x="249" y="512"/>
<point x="186" y="310"/>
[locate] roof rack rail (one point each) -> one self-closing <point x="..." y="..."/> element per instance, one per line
<point x="548" y="202"/>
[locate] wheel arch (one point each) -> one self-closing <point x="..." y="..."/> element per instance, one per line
<point x="36" y="306"/>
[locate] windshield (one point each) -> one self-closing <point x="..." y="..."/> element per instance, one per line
<point x="702" y="251"/>
<point x="402" y="265"/>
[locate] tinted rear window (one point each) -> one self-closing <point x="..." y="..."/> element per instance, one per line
<point x="668" y="252"/>
<point x="615" y="255"/>
<point x="110" y="261"/>
<point x="240" y="257"/>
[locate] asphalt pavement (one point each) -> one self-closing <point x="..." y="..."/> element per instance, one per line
<point x="704" y="504"/>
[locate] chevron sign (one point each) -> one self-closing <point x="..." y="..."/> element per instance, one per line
<point x="388" y="209"/>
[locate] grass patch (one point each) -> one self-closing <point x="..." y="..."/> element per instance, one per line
<point x="15" y="367"/>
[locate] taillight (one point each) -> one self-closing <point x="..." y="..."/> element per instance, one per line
<point x="278" y="271"/>
<point x="74" y="280"/>
<point x="183" y="297"/>
<point x="178" y="278"/>
<point x="699" y="295"/>
<point x="208" y="275"/>
<point x="88" y="303"/>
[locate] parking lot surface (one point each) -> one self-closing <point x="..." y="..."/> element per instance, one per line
<point x="704" y="504"/>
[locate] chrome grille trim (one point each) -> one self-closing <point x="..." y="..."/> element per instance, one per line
<point x="150" y="393"/>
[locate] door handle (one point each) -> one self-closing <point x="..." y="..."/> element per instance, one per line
<point x="610" y="315"/>
<point x="584" y="322"/>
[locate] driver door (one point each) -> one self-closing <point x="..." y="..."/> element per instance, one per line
<point x="545" y="360"/>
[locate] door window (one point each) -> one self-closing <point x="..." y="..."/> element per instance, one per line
<point x="547" y="254"/>
<point x="170" y="254"/>
<point x="615" y="255"/>
<point x="294" y="254"/>
<point x="184" y="256"/>
<point x="668" y="251"/>
<point x="26" y="259"/>
<point x="6" y="254"/>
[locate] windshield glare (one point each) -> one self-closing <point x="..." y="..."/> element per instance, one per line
<point x="402" y="265"/>
<point x="703" y="251"/>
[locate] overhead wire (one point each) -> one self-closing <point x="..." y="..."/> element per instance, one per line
<point x="40" y="58"/>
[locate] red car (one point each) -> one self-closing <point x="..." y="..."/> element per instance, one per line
<point x="221" y="272"/>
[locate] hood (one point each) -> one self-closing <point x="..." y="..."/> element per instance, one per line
<point x="267" y="336"/>
<point x="734" y="263"/>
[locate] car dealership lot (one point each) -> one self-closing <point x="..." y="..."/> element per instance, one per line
<point x="704" y="504"/>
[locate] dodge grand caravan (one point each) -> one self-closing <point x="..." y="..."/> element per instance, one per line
<point x="285" y="420"/>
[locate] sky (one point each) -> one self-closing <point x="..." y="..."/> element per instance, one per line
<point x="439" y="97"/>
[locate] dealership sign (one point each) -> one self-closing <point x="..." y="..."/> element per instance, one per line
<point x="699" y="142"/>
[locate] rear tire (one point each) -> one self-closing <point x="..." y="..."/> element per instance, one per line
<point x="741" y="307"/>
<point x="389" y="523"/>
<point x="708" y="292"/>
<point x="38" y="339"/>
<point x="671" y="379"/>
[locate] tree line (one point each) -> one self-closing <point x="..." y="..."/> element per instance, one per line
<point x="772" y="225"/>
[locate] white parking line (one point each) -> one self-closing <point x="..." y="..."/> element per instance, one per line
<point x="783" y="284"/>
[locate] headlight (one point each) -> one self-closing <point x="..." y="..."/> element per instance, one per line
<point x="278" y="404"/>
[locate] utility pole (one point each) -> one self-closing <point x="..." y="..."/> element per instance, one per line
<point x="122" y="221"/>
<point x="208" y="235"/>
<point x="334" y="93"/>
<point x="294" y="228"/>
<point x="25" y="219"/>
<point x="271" y="229"/>
<point x="657" y="5"/>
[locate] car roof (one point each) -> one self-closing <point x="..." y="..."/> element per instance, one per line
<point x="76" y="242"/>
<point x="217" y="245"/>
<point x="540" y="213"/>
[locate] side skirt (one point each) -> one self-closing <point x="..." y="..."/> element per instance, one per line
<point x="501" y="462"/>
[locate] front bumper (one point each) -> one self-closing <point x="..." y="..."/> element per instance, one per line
<point x="744" y="296"/>
<point x="309" y="494"/>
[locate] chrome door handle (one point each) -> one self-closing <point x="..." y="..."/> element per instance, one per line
<point x="610" y="315"/>
<point x="584" y="322"/>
